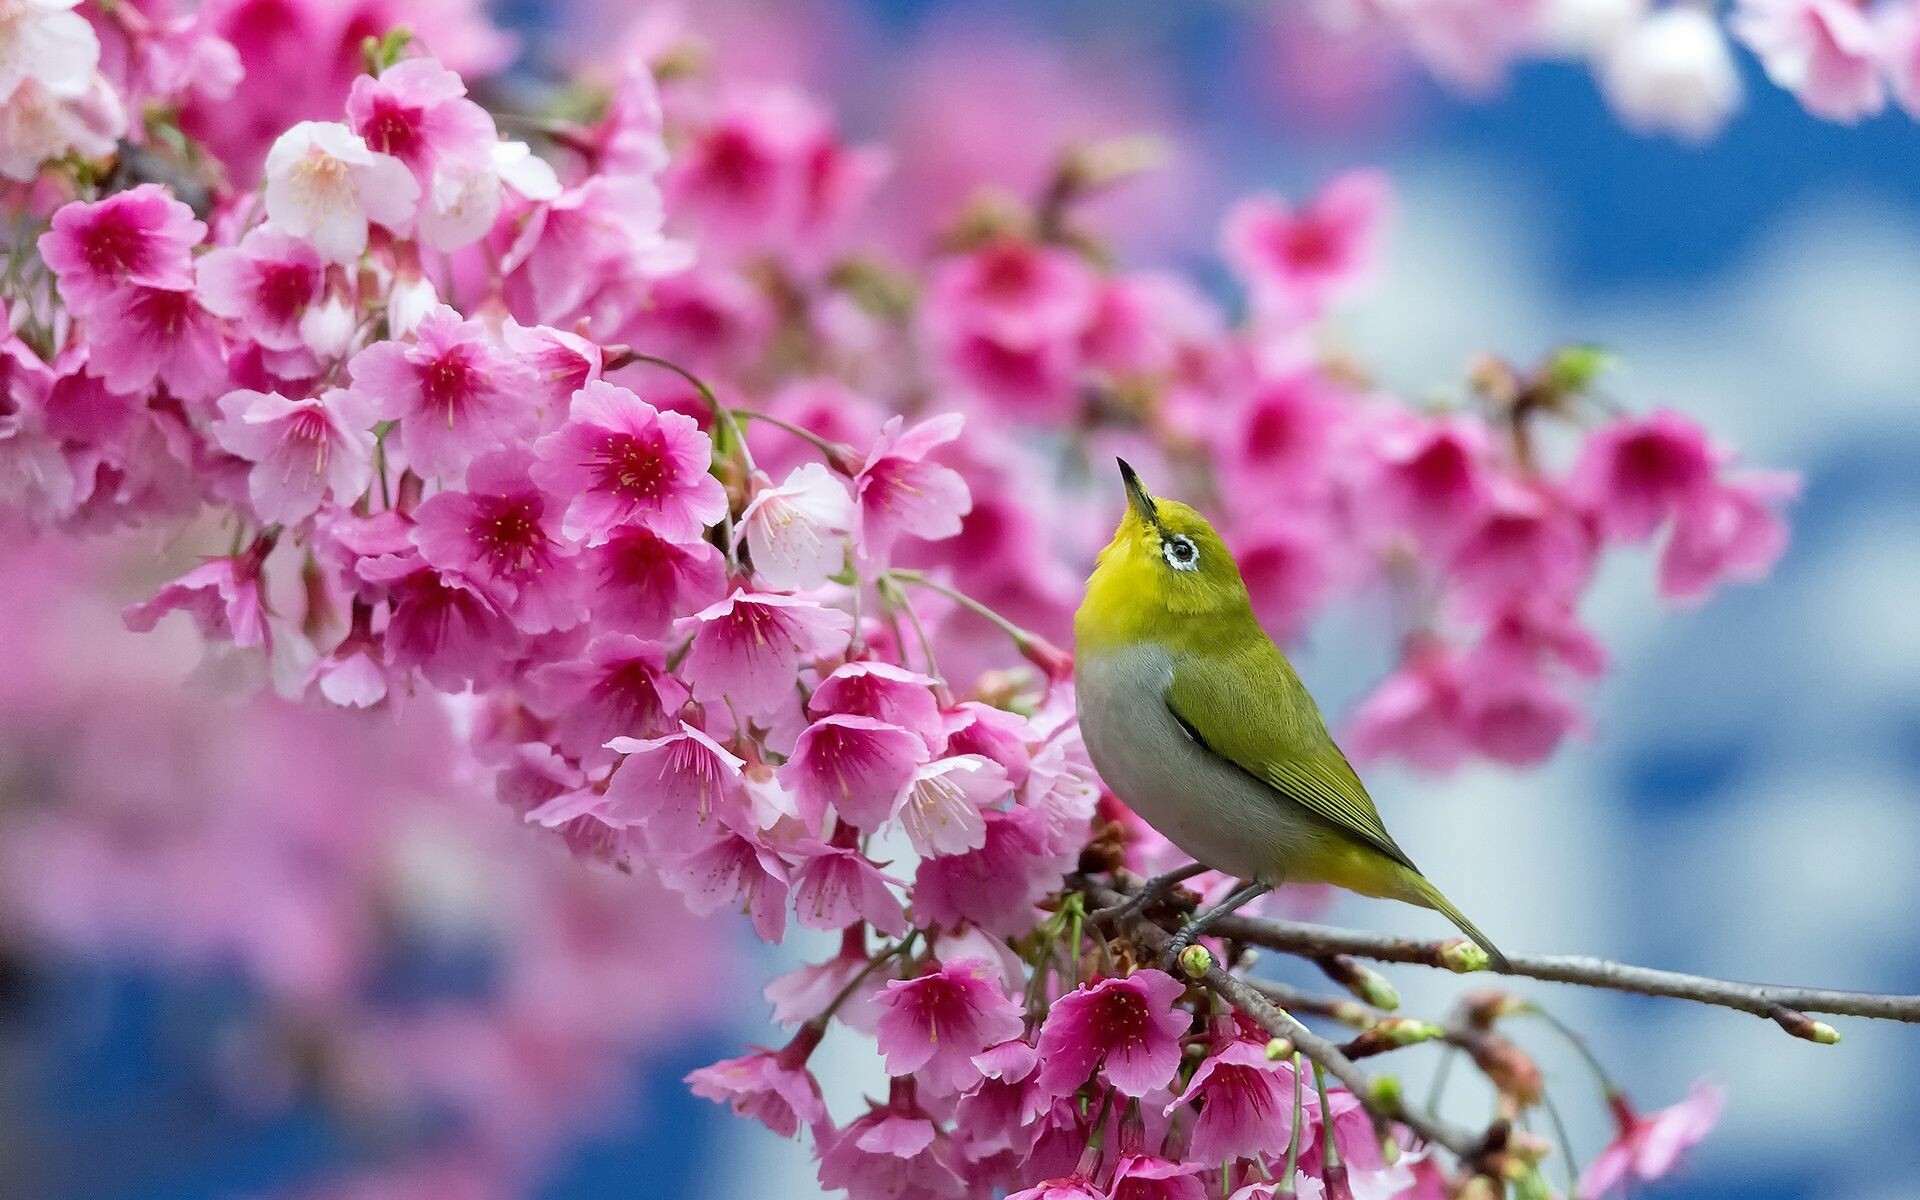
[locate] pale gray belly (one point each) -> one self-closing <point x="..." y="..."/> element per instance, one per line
<point x="1208" y="807"/>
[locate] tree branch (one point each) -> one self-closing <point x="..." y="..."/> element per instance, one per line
<point x="1781" y="1004"/>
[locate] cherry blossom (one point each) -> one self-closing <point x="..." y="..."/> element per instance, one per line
<point x="325" y="186"/>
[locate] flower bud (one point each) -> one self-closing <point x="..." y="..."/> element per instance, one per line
<point x="1804" y="1027"/>
<point x="1463" y="957"/>
<point x="1386" y="1092"/>
<point x="1195" y="961"/>
<point x="1278" y="1048"/>
<point x="1363" y="981"/>
<point x="1405" y="1031"/>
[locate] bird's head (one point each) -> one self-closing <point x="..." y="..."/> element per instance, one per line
<point x="1166" y="574"/>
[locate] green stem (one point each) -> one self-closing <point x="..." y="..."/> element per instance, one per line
<point x="899" y="947"/>
<point x="1293" y="1139"/>
<point x="1331" y="1150"/>
<point x="1019" y="635"/>
<point x="806" y="435"/>
<point x="722" y="415"/>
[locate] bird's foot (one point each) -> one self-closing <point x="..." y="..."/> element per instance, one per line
<point x="1189" y="933"/>
<point x="1152" y="892"/>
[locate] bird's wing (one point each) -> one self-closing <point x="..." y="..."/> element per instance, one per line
<point x="1245" y="704"/>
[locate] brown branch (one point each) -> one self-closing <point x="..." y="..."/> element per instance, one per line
<point x="1784" y="1005"/>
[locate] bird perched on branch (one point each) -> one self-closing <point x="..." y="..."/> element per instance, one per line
<point x="1197" y="721"/>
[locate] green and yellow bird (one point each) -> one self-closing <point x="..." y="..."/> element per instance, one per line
<point x="1194" y="717"/>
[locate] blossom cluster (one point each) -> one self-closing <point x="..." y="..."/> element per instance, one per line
<point x="736" y="540"/>
<point x="1665" y="67"/>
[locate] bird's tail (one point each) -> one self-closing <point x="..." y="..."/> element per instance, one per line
<point x="1430" y="896"/>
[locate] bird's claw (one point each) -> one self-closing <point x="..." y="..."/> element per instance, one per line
<point x="1152" y="892"/>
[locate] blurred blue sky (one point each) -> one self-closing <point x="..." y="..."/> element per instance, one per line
<point x="1747" y="805"/>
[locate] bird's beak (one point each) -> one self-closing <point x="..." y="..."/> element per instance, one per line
<point x="1137" y="496"/>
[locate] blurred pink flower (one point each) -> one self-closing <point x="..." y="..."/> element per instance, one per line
<point x="1826" y="52"/>
<point x="141" y="237"/>
<point x="1635" y="473"/>
<point x="1296" y="263"/>
<point x="1647" y="1148"/>
<point x="147" y="335"/>
<point x="222" y="595"/>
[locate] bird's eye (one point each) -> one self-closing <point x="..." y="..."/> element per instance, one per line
<point x="1180" y="552"/>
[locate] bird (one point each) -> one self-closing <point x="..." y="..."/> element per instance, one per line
<point x="1196" y="720"/>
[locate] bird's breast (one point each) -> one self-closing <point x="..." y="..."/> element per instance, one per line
<point x="1205" y="805"/>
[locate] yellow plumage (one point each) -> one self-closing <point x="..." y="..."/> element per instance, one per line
<point x="1196" y="719"/>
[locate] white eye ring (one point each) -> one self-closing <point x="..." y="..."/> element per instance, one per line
<point x="1180" y="552"/>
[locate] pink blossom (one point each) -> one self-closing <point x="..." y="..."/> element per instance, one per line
<point x="157" y="335"/>
<point x="1297" y="263"/>
<point x="855" y="765"/>
<point x="638" y="582"/>
<point x="1434" y="478"/>
<point x="748" y="647"/>
<point x="773" y="1087"/>
<point x="885" y="692"/>
<point x="442" y="624"/>
<point x="1900" y="45"/>
<point x="141" y="237"/>
<point x="890" y="1153"/>
<point x="38" y="125"/>
<point x="796" y="531"/>
<point x="931" y="1027"/>
<point x="673" y="786"/>
<point x="996" y="886"/>
<point x="302" y="450"/>
<point x="1067" y="1187"/>
<point x="620" y="461"/>
<point x="453" y="392"/>
<point x="991" y="733"/>
<point x="324" y="185"/>
<point x="804" y="994"/>
<point x="266" y="285"/>
<point x="222" y="595"/>
<point x="1647" y="1148"/>
<point x="1129" y="1028"/>
<point x="1635" y="473"/>
<point x="417" y="112"/>
<point x="900" y="492"/>
<point x="1527" y="544"/>
<point x="1827" y="52"/>
<point x="1146" y="1177"/>
<point x="1287" y="569"/>
<point x="1244" y="1101"/>
<point x="734" y="869"/>
<point x="836" y="886"/>
<point x="940" y="805"/>
<point x="593" y="245"/>
<point x="502" y="533"/>
<point x="557" y="364"/>
<point x="1733" y="532"/>
<point x="1016" y="290"/>
<point x="621" y="689"/>
<point x="1277" y="444"/>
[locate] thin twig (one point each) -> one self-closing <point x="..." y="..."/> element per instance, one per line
<point x="1762" y="1000"/>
